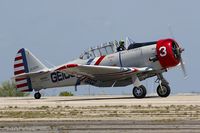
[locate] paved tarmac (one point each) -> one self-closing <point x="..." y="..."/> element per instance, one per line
<point x="99" y="101"/>
<point x="101" y="126"/>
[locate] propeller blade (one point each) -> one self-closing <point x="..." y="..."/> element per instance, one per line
<point x="183" y="68"/>
<point x="179" y="50"/>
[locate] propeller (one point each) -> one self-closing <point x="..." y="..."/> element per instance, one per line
<point x="179" y="51"/>
<point x="182" y="63"/>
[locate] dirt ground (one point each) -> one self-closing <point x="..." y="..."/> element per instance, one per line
<point x="79" y="114"/>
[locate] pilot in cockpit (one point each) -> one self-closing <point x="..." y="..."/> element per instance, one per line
<point x="121" y="46"/>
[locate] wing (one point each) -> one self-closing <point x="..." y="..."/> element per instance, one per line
<point x="102" y="73"/>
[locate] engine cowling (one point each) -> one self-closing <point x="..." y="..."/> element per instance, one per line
<point x="168" y="53"/>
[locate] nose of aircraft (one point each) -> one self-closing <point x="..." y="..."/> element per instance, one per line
<point x="168" y="53"/>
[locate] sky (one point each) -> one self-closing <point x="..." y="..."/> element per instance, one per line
<point x="57" y="31"/>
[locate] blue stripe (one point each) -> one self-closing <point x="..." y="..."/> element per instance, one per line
<point x="89" y="61"/>
<point x="26" y="68"/>
<point x="24" y="60"/>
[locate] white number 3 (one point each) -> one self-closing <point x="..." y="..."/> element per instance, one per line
<point x="163" y="51"/>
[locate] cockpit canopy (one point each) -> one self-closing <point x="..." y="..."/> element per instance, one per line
<point x="103" y="49"/>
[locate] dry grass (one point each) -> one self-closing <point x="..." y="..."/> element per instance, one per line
<point x="136" y="112"/>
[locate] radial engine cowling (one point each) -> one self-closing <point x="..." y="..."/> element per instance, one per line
<point x="168" y="53"/>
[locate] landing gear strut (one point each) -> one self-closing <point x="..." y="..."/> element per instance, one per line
<point x="139" y="92"/>
<point x="163" y="89"/>
<point x="37" y="95"/>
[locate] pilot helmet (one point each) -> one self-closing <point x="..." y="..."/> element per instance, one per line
<point x="121" y="42"/>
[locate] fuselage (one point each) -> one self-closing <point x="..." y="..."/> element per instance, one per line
<point x="144" y="55"/>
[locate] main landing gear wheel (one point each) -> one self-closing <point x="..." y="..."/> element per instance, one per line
<point x="163" y="91"/>
<point x="139" y="92"/>
<point x="37" y="95"/>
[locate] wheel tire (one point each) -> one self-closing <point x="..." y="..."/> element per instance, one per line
<point x="37" y="95"/>
<point x="139" y="92"/>
<point x="164" y="91"/>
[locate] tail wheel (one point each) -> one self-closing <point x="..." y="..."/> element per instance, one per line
<point x="163" y="90"/>
<point x="139" y="92"/>
<point x="37" y="95"/>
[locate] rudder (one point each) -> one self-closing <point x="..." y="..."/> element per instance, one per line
<point x="26" y="62"/>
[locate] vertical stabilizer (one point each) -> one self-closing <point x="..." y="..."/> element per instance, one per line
<point x="26" y="62"/>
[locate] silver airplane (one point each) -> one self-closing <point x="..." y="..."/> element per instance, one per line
<point x="103" y="66"/>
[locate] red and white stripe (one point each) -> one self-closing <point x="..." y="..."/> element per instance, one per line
<point x="21" y="83"/>
<point x="97" y="60"/>
<point x="18" y="65"/>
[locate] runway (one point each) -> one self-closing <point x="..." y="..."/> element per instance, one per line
<point x="102" y="126"/>
<point x="84" y="101"/>
<point x="179" y="114"/>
